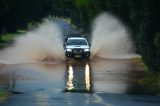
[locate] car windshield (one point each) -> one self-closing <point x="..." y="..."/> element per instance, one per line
<point x="76" y="42"/>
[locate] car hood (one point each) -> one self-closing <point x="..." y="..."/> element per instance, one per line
<point x="77" y="46"/>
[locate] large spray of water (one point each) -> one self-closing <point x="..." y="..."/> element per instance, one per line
<point x="110" y="38"/>
<point x="41" y="44"/>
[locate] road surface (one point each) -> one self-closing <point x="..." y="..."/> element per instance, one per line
<point x="76" y="83"/>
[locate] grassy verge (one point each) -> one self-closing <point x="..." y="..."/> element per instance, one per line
<point x="11" y="36"/>
<point x="3" y="95"/>
<point x="151" y="81"/>
<point x="8" y="37"/>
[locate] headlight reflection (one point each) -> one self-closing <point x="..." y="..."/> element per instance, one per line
<point x="70" y="85"/>
<point x="78" y="77"/>
<point x="87" y="77"/>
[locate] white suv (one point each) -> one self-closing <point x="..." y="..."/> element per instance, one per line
<point x="77" y="47"/>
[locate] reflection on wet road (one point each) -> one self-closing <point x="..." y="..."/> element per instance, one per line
<point x="116" y="76"/>
<point x="76" y="83"/>
<point x="78" y="76"/>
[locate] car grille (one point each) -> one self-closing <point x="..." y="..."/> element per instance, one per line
<point x="77" y="51"/>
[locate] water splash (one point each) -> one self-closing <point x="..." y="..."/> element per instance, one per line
<point x="41" y="44"/>
<point x="110" y="38"/>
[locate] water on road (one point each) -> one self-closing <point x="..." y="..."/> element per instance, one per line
<point x="76" y="83"/>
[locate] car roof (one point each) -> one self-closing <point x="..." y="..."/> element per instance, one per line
<point x="76" y="38"/>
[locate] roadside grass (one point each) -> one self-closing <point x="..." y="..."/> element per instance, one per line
<point x="8" y="37"/>
<point x="151" y="81"/>
<point x="3" y="95"/>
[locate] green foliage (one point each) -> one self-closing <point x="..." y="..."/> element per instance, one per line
<point x="8" y="37"/>
<point x="151" y="82"/>
<point x="15" y="14"/>
<point x="3" y="95"/>
<point x="82" y="3"/>
<point x="157" y="40"/>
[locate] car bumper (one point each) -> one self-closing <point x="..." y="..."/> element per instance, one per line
<point x="77" y="55"/>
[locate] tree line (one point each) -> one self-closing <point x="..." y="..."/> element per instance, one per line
<point x="16" y="14"/>
<point x="141" y="16"/>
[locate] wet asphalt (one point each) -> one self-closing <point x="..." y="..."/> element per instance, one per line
<point x="76" y="83"/>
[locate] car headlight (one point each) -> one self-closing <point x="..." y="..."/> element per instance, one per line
<point x="68" y="50"/>
<point x="86" y="50"/>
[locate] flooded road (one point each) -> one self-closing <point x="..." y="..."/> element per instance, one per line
<point x="76" y="83"/>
